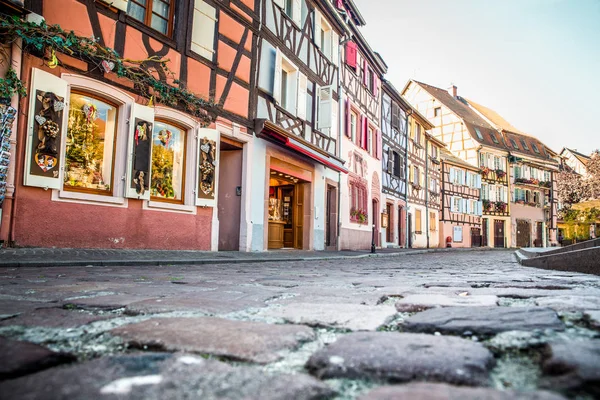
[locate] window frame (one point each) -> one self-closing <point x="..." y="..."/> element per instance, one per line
<point x="124" y="101"/>
<point x="437" y="112"/>
<point x="108" y="193"/>
<point x="186" y="132"/>
<point x="148" y="16"/>
<point x="354" y="129"/>
<point x="525" y="147"/>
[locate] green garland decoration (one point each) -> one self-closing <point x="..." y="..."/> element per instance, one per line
<point x="11" y="85"/>
<point x="45" y="38"/>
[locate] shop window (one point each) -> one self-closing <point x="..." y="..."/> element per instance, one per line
<point x="157" y="14"/>
<point x="418" y="226"/>
<point x="168" y="162"/>
<point x="203" y="30"/>
<point x="90" y="144"/>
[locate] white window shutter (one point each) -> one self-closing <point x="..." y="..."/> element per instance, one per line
<point x="277" y="78"/>
<point x="452" y="207"/>
<point x="203" y="29"/>
<point x="297" y="12"/>
<point x="492" y="196"/>
<point x="335" y="43"/>
<point x="49" y="177"/>
<point x="325" y="105"/>
<point x="465" y="177"/>
<point x="465" y="206"/>
<point x="478" y="181"/>
<point x="301" y="103"/>
<point x="317" y="27"/>
<point x="480" y="208"/>
<point x="143" y="117"/>
<point x="452" y="173"/>
<point x="334" y="120"/>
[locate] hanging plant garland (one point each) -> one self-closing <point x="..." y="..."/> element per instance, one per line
<point x="49" y="39"/>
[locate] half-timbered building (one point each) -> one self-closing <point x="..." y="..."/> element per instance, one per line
<point x="297" y="160"/>
<point x="474" y="140"/>
<point x="423" y="185"/>
<point x="532" y="166"/>
<point x="460" y="218"/>
<point x="362" y="70"/>
<point x="101" y="160"/>
<point x="394" y="123"/>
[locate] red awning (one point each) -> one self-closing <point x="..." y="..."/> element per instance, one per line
<point x="296" y="145"/>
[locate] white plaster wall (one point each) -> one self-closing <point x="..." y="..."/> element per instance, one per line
<point x="255" y="205"/>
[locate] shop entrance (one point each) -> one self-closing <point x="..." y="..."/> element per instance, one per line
<point x="287" y="211"/>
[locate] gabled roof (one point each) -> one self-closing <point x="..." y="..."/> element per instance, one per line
<point x="447" y="156"/>
<point x="518" y="142"/>
<point x="582" y="158"/>
<point x="405" y="104"/>
<point x="474" y="123"/>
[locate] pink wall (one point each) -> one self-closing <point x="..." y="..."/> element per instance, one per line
<point x="45" y="223"/>
<point x="448" y="230"/>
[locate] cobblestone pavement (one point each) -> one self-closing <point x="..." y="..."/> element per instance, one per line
<point x="468" y="325"/>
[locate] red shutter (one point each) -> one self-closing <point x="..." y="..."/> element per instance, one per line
<point x="366" y="134"/>
<point x="378" y="144"/>
<point x="348" y="112"/>
<point x="340" y="4"/>
<point x="351" y="51"/>
<point x="361" y="133"/>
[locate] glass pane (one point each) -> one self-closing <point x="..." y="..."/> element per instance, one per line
<point x="168" y="156"/>
<point x="159" y="24"/>
<point x="161" y="8"/>
<point x="136" y="11"/>
<point x="90" y="142"/>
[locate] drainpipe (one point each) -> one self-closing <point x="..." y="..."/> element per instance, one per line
<point x="7" y="220"/>
<point x="407" y="113"/>
<point x="340" y="127"/>
<point x="426" y="191"/>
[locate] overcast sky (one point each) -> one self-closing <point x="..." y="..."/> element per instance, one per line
<point x="536" y="62"/>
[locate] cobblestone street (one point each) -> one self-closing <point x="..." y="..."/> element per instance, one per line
<point x="468" y="325"/>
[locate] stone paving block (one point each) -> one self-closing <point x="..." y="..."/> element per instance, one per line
<point x="11" y="308"/>
<point x="152" y="376"/>
<point x="110" y="302"/>
<point x="573" y="366"/>
<point x="403" y="357"/>
<point x="442" y="391"/>
<point x="21" y="358"/>
<point x="483" y="320"/>
<point x="594" y="318"/>
<point x="440" y="300"/>
<point x="344" y="316"/>
<point x="211" y="302"/>
<point x="566" y="303"/>
<point x="53" y="318"/>
<point x="238" y="340"/>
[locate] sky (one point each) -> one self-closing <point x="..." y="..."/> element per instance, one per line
<point x="535" y="62"/>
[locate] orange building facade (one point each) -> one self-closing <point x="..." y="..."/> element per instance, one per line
<point x="97" y="164"/>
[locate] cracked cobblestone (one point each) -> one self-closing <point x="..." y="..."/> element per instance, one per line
<point x="79" y="310"/>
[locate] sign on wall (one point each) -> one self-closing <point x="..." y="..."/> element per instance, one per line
<point x="208" y="162"/>
<point x="140" y="152"/>
<point x="45" y="130"/>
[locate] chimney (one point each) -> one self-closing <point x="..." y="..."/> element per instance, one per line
<point x="452" y="90"/>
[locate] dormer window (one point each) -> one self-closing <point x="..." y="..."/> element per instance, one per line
<point x="494" y="139"/>
<point x="514" y="144"/>
<point x="535" y="148"/>
<point x="478" y="132"/>
<point x="524" y="144"/>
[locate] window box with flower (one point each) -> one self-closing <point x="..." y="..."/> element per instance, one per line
<point x="360" y="216"/>
<point x="500" y="206"/>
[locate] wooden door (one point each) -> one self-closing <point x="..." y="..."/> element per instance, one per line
<point x="475" y="237"/>
<point x="523" y="233"/>
<point x="376" y="216"/>
<point x="498" y="233"/>
<point x="331" y="222"/>
<point x="484" y="236"/>
<point x="298" y="216"/>
<point x="388" y="231"/>
<point x="401" y="227"/>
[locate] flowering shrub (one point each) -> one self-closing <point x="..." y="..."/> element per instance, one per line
<point x="359" y="216"/>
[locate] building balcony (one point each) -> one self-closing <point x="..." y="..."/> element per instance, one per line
<point x="533" y="183"/>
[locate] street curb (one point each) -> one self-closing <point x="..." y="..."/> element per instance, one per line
<point x="204" y="261"/>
